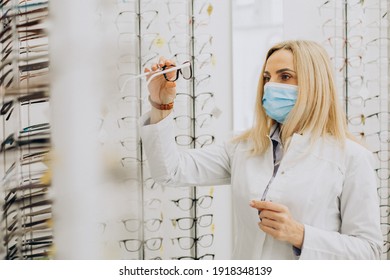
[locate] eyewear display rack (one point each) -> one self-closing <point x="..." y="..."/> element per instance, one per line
<point x="110" y="207"/>
<point x="26" y="216"/>
<point x="168" y="223"/>
<point x="97" y="198"/>
<point x="356" y="34"/>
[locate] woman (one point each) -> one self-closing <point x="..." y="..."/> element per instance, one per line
<point x="302" y="187"/>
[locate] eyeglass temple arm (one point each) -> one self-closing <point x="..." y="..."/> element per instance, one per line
<point x="184" y="65"/>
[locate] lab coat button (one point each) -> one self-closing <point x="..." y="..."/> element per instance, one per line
<point x="282" y="172"/>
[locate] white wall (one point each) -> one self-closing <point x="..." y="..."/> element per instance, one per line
<point x="257" y="25"/>
<point x="301" y="20"/>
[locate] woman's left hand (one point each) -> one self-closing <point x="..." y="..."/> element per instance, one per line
<point x="276" y="220"/>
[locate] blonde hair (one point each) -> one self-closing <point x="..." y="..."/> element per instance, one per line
<point x="317" y="110"/>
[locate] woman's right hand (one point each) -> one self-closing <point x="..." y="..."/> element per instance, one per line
<point x="161" y="91"/>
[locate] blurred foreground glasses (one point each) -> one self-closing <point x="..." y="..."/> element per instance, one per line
<point x="39" y="140"/>
<point x="28" y="200"/>
<point x="32" y="250"/>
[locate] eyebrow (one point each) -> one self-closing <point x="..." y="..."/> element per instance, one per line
<point x="281" y="70"/>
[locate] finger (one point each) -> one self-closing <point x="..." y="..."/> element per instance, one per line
<point x="270" y="223"/>
<point x="171" y="75"/>
<point x="147" y="70"/>
<point x="155" y="67"/>
<point x="161" y="61"/>
<point x="267" y="214"/>
<point x="255" y="204"/>
<point x="169" y="63"/>
<point x="260" y="205"/>
<point x="269" y="230"/>
<point x="170" y="84"/>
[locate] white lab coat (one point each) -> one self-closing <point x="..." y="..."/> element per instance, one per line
<point x="332" y="191"/>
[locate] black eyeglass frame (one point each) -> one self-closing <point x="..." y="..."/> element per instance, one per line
<point x="178" y="72"/>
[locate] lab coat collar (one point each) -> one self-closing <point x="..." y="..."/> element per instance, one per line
<point x="275" y="133"/>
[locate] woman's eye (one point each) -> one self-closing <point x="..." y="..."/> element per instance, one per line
<point x="285" y="77"/>
<point x="266" y="79"/>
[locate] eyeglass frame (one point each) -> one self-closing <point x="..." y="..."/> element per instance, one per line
<point x="192" y="220"/>
<point x="194" y="240"/>
<point x="141" y="243"/>
<point x="165" y="67"/>
<point x="194" y="201"/>
<point x="164" y="71"/>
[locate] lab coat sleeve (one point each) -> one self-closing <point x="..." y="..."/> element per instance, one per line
<point x="172" y="166"/>
<point x="360" y="235"/>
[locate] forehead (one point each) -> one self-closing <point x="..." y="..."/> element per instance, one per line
<point x="280" y="59"/>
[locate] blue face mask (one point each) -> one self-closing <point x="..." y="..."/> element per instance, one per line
<point x="279" y="99"/>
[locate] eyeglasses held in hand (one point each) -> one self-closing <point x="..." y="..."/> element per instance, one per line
<point x="185" y="70"/>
